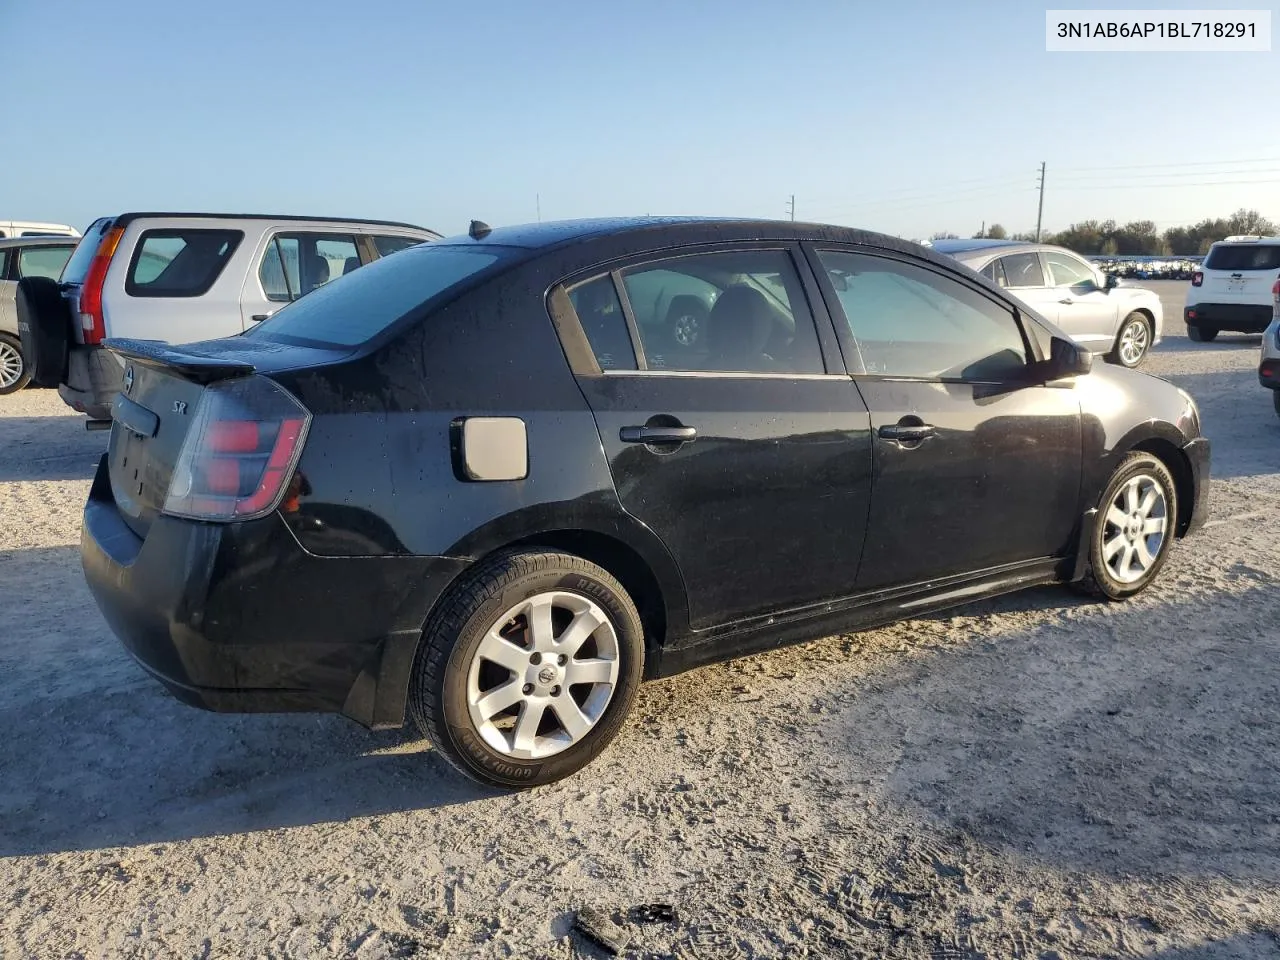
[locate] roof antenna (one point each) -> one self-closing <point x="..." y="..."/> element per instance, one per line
<point x="479" y="230"/>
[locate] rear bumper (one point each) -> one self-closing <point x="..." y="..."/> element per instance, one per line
<point x="93" y="380"/>
<point x="1241" y="317"/>
<point x="1269" y="374"/>
<point x="239" y="618"/>
<point x="1197" y="453"/>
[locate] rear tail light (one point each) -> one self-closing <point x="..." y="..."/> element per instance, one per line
<point x="92" y="320"/>
<point x="240" y="452"/>
<point x="1197" y="278"/>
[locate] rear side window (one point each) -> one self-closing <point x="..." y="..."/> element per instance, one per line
<point x="297" y="263"/>
<point x="42" y="261"/>
<point x="78" y="266"/>
<point x="740" y="311"/>
<point x="1021" y="270"/>
<point x="600" y="313"/>
<point x="181" y="262"/>
<point x="1243" y="257"/>
<point x="376" y="296"/>
<point x="389" y="245"/>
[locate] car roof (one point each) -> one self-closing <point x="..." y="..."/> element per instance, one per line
<point x="656" y="232"/>
<point x="123" y="219"/>
<point x="58" y="240"/>
<point x="971" y="249"/>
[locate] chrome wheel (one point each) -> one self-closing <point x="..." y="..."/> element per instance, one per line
<point x="11" y="365"/>
<point x="686" y="329"/>
<point x="543" y="675"/>
<point x="1135" y="527"/>
<point x="1135" y="338"/>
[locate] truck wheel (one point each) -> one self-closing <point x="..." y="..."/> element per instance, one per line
<point x="44" y="323"/>
<point x="1201" y="334"/>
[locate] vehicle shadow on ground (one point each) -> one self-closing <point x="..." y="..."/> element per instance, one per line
<point x="1141" y="741"/>
<point x="1247" y="946"/>
<point x="95" y="754"/>
<point x="49" y="448"/>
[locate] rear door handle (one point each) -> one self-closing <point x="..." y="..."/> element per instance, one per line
<point x="1068" y="300"/>
<point x="657" y="434"/>
<point x="906" y="433"/>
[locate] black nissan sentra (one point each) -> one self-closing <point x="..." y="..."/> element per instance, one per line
<point x="494" y="481"/>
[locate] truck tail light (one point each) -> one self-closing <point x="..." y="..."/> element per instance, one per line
<point x="92" y="320"/>
<point x="240" y="452"/>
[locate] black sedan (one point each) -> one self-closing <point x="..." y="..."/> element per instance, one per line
<point x="480" y="484"/>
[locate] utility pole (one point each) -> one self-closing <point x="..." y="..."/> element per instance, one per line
<point x="1040" y="212"/>
<point x="983" y="232"/>
<point x="791" y="206"/>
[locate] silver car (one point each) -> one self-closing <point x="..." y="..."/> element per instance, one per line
<point x="1097" y="310"/>
<point x="28" y="256"/>
<point x="1269" y="364"/>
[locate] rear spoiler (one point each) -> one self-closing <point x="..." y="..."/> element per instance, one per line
<point x="187" y="363"/>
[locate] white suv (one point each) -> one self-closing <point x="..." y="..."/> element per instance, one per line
<point x="181" y="278"/>
<point x="1232" y="289"/>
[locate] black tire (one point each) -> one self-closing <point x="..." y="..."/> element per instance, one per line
<point x="44" y="323"/>
<point x="687" y="322"/>
<point x="1201" y="334"/>
<point x="10" y="345"/>
<point x="438" y="687"/>
<point x="1275" y="399"/>
<point x="1146" y="333"/>
<point x="1101" y="580"/>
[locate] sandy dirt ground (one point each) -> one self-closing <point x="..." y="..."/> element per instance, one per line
<point x="1036" y="777"/>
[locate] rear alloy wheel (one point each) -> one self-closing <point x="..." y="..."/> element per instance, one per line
<point x="1134" y="528"/>
<point x="14" y="371"/>
<point x="527" y="670"/>
<point x="1133" y="341"/>
<point x="1201" y="334"/>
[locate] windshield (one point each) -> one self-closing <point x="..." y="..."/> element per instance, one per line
<point x="359" y="305"/>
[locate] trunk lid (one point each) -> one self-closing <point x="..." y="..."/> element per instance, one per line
<point x="1241" y="272"/>
<point x="161" y="391"/>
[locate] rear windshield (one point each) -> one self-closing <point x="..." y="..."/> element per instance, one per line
<point x="182" y="262"/>
<point x="1244" y="257"/>
<point x="357" y="306"/>
<point x="78" y="266"/>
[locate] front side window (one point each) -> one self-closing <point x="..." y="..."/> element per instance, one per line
<point x="297" y="263"/>
<point x="1068" y="271"/>
<point x="733" y="312"/>
<point x="907" y="321"/>
<point x="42" y="261"/>
<point x="600" y="313"/>
<point x="1021" y="270"/>
<point x="179" y="262"/>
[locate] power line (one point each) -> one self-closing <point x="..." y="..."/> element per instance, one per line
<point x="1040" y="211"/>
<point x="1139" y="178"/>
<point x="1162" y="186"/>
<point x="1181" y="163"/>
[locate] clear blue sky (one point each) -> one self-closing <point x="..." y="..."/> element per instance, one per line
<point x="908" y="117"/>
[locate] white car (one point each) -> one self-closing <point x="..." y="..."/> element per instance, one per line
<point x="1097" y="310"/>
<point x="1232" y="288"/>
<point x="180" y="278"/>
<point x="32" y="228"/>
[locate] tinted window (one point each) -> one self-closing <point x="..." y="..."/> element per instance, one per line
<point x="600" y="313"/>
<point x="4" y="264"/>
<point x="994" y="271"/>
<point x="1244" y="257"/>
<point x="740" y="311"/>
<point x="297" y="263"/>
<point x="1068" y="271"/>
<point x="1022" y="270"/>
<point x="389" y="245"/>
<point x="912" y="322"/>
<point x="179" y="262"/>
<point x="78" y="266"/>
<point x="374" y="297"/>
<point x="42" y="261"/>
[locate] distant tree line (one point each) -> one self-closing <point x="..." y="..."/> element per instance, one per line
<point x="1140" y="237"/>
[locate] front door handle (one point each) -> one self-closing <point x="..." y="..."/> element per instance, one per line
<point x="657" y="434"/>
<point x="259" y="317"/>
<point x="1067" y="300"/>
<point x="906" y="432"/>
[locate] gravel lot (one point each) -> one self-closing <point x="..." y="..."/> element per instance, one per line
<point x="1039" y="776"/>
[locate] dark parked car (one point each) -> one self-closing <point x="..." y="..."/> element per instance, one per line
<point x="466" y="484"/>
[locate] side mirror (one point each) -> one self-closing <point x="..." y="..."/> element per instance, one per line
<point x="1110" y="281"/>
<point x="1066" y="359"/>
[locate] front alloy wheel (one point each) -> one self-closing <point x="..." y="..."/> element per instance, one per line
<point x="1133" y="341"/>
<point x="14" y="372"/>
<point x="527" y="668"/>
<point x="1135" y="526"/>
